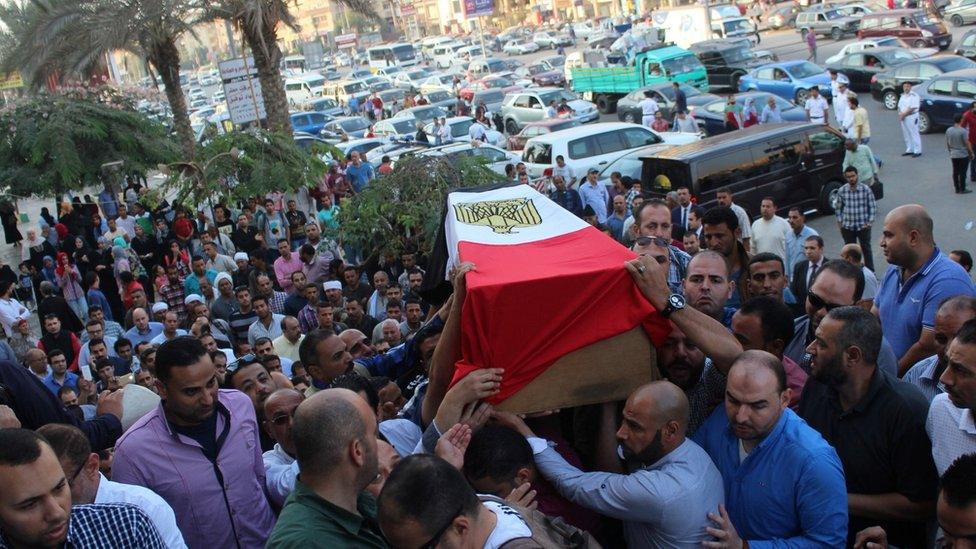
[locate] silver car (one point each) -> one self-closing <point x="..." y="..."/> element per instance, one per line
<point x="530" y="105"/>
<point x="961" y="12"/>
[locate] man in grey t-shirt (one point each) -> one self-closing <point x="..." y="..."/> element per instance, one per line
<point x="960" y="153"/>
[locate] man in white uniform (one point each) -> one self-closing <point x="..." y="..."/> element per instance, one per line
<point x="908" y="105"/>
<point x="841" y="107"/>
<point x="816" y="107"/>
<point x="648" y="107"/>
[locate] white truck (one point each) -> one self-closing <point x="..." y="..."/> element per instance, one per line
<point x="687" y="25"/>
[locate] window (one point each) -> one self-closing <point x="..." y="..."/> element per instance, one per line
<point x="639" y="137"/>
<point x="537" y="153"/>
<point x="928" y="71"/>
<point x="665" y="175"/>
<point x="609" y="142"/>
<point x="969" y="40"/>
<point x="522" y="101"/>
<point x="941" y="86"/>
<point x="584" y="147"/>
<point x="966" y="89"/>
<point x="765" y="74"/>
<point x="890" y="22"/>
<point x="316" y="118"/>
<point x="781" y="156"/>
<point x="910" y="71"/>
<point x="724" y="169"/>
<point x="493" y="155"/>
<point x="825" y="142"/>
<point x="855" y="60"/>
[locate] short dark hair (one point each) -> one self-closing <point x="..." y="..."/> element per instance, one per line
<point x="94" y="323"/>
<point x="846" y="270"/>
<point x="427" y="490"/>
<point x="306" y="350"/>
<point x="764" y="257"/>
<point x="179" y="352"/>
<point x="20" y="447"/>
<point x="120" y="343"/>
<point x="496" y="452"/>
<point x="967" y="333"/>
<point x="719" y="215"/>
<point x="965" y="259"/>
<point x="958" y="483"/>
<point x="55" y="352"/>
<point x="816" y="238"/>
<point x="96" y="341"/>
<point x="257" y="298"/>
<point x="850" y="169"/>
<point x="649" y="203"/>
<point x="775" y="317"/>
<point x="861" y="329"/>
<point x="957" y="118"/>
<point x="67" y="441"/>
<point x="358" y="384"/>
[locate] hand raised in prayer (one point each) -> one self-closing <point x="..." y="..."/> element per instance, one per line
<point x="725" y="535"/>
<point x="452" y="445"/>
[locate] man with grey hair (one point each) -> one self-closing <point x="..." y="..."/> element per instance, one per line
<point x="334" y="434"/>
<point x="951" y="315"/>
<point x="865" y="413"/>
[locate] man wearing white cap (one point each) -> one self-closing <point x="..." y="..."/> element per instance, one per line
<point x="159" y="311"/>
<point x="241" y="277"/>
<point x="225" y="304"/>
<point x="333" y="294"/>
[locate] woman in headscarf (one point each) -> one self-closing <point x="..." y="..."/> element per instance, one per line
<point x="47" y="217"/>
<point x="83" y="256"/>
<point x="67" y="241"/>
<point x="135" y="265"/>
<point x="749" y="115"/>
<point x="35" y="248"/>
<point x="69" y="280"/>
<point x="103" y="263"/>
<point x="8" y="218"/>
<point x="48" y="271"/>
<point x="177" y="255"/>
<point x="71" y="218"/>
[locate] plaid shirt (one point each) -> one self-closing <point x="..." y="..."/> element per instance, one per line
<point x="855" y="207"/>
<point x="108" y="525"/>
<point x="174" y="295"/>
<point x="277" y="301"/>
<point x="307" y="319"/>
<point x="677" y="269"/>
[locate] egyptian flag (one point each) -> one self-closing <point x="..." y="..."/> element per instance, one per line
<point x="546" y="283"/>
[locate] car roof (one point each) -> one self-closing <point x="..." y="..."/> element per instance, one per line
<point x="899" y="12"/>
<point x="961" y="73"/>
<point x="714" y="44"/>
<point x="583" y="131"/>
<point x="737" y="138"/>
<point x="548" y="122"/>
<point x="942" y="59"/>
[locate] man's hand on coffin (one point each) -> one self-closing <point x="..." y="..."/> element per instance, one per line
<point x="651" y="278"/>
<point x="478" y="385"/>
<point x="512" y="421"/>
<point x="476" y="414"/>
<point x="452" y="445"/>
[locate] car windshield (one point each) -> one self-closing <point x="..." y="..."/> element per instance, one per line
<point x="894" y="57"/>
<point x="833" y="14"/>
<point x="497" y="83"/>
<point x="738" y="55"/>
<point x="887" y="42"/>
<point x="402" y="126"/>
<point x="682" y="65"/>
<point x="668" y="91"/>
<point x="760" y="101"/>
<point x="557" y="96"/>
<point x="460" y="129"/>
<point x="438" y="96"/>
<point x="496" y="65"/>
<point x="426" y="113"/>
<point x="535" y="69"/>
<point x="955" y="63"/>
<point x="804" y="70"/>
<point x="354" y="87"/>
<point x="490" y="96"/>
<point x="392" y="95"/>
<point x="354" y="124"/>
<point x="325" y="104"/>
<point x="738" y="25"/>
<point x="923" y="18"/>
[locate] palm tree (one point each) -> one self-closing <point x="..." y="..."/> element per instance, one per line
<point x="70" y="36"/>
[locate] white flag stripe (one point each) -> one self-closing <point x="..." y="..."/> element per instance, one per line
<point x="505" y="216"/>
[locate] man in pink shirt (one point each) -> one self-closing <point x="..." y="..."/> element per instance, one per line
<point x="286" y="264"/>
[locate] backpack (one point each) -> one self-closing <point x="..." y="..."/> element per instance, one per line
<point x="547" y="532"/>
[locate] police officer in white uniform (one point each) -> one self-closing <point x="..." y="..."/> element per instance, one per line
<point x="648" y="107"/>
<point x="816" y="106"/>
<point x="908" y="105"/>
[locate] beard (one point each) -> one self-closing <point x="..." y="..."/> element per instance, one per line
<point x="649" y="455"/>
<point x="677" y="371"/>
<point x="829" y="371"/>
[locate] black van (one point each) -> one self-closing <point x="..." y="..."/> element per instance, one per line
<point x="798" y="164"/>
<point x="725" y="61"/>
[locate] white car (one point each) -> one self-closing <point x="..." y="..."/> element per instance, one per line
<point x="460" y="125"/>
<point x="871" y="43"/>
<point x="496" y="157"/>
<point x="389" y="72"/>
<point x="411" y="79"/>
<point x="438" y="82"/>
<point x="519" y="47"/>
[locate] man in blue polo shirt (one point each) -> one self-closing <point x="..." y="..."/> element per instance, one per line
<point x="784" y="484"/>
<point x="358" y="172"/>
<point x="919" y="278"/>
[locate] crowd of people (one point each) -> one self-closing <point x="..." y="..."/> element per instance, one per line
<point x="231" y="377"/>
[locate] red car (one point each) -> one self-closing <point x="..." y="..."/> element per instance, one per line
<point x="489" y="83"/>
<point x="517" y="142"/>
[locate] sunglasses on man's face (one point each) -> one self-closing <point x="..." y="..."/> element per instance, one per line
<point x="655" y="240"/>
<point x="820" y="303"/>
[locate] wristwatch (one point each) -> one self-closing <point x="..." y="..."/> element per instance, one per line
<point x="676" y="302"/>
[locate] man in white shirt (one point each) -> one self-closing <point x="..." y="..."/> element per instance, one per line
<point x="268" y="324"/>
<point x="724" y="198"/>
<point x="770" y="231"/>
<point x="88" y="485"/>
<point x="816" y="107"/>
<point x="444" y="132"/>
<point x="561" y="168"/>
<point x="908" y="105"/>
<point x="126" y="222"/>
<point x="648" y="107"/>
<point x="477" y="131"/>
<point x="950" y="423"/>
<point x="280" y="466"/>
<point x="837" y="79"/>
<point x="842" y="108"/>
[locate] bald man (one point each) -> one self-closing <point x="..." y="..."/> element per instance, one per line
<point x="784" y="483"/>
<point x="919" y="278"/>
<point x="670" y="485"/>
<point x="334" y="432"/>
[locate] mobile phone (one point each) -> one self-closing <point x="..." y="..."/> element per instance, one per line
<point x="86" y="371"/>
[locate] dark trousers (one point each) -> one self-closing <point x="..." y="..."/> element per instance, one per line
<point x="863" y="238"/>
<point x="959" y="172"/>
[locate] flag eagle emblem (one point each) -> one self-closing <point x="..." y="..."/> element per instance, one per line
<point x="501" y="215"/>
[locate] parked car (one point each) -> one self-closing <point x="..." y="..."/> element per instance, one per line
<point x="790" y="80"/>
<point x="542" y="74"/>
<point x="411" y="79"/>
<point x="828" y="22"/>
<point x="492" y="99"/>
<point x="396" y="127"/>
<point x="555" y="62"/>
<point x="725" y="61"/>
<point x="943" y="97"/>
<point x="310" y="122"/>
<point x="781" y="17"/>
<point x="484" y="67"/>
<point x="378" y="83"/>
<point x="422" y="114"/>
<point x="520" y="47"/>
<point x="799" y="165"/>
<point x="392" y="95"/>
<point x="871" y="43"/>
<point x="488" y="83"/>
<point x="551" y="40"/>
<point x="530" y="105"/>
<point x="629" y="111"/>
<point x="967" y="46"/>
<point x="362" y="146"/>
<point x="711" y="116"/>
<point x="886" y="87"/>
<point x="497" y="158"/>
<point x="353" y="126"/>
<point x="592" y="145"/>
<point x="917" y="27"/>
<point x="532" y="129"/>
<point x="861" y="67"/>
<point x="460" y="125"/>
<point x="327" y="106"/>
<point x="960" y="12"/>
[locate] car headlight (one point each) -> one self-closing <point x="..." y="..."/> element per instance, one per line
<point x="926" y="33"/>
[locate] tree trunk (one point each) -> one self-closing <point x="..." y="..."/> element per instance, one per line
<point x="166" y="59"/>
<point x="267" y="60"/>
